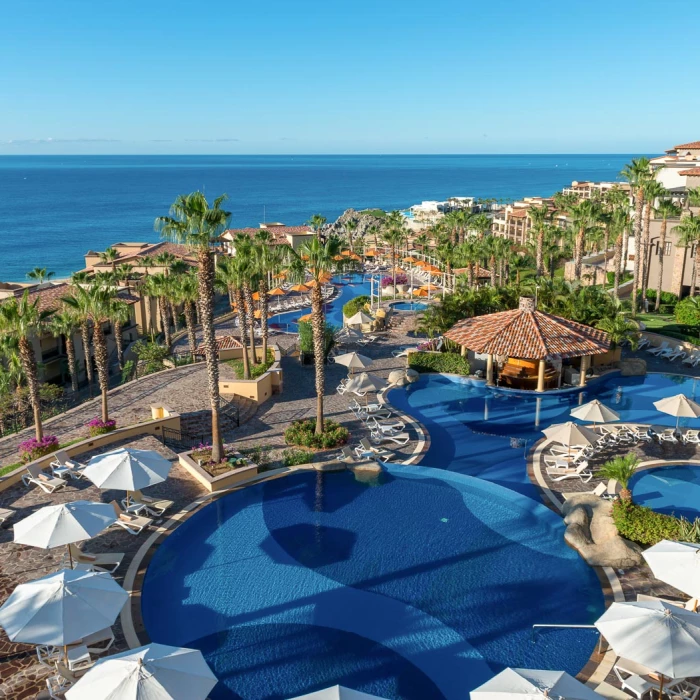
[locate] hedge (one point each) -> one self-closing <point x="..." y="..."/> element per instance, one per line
<point x="355" y="305"/>
<point x="687" y="313"/>
<point x="643" y="525"/>
<point x="446" y="362"/>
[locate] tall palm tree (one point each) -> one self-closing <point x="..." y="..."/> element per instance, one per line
<point x="320" y="263"/>
<point x="693" y="197"/>
<point x="394" y="235"/>
<point x="64" y="324"/>
<point x="539" y="218"/>
<point x="350" y="228"/>
<point x="186" y="293"/>
<point x="157" y="286"/>
<point x="618" y="226"/>
<point x="665" y="210"/>
<point x="689" y="232"/>
<point x="193" y="222"/>
<point x="585" y="217"/>
<point x="40" y="275"/>
<point x="23" y="319"/>
<point x="481" y="224"/>
<point x="422" y="240"/>
<point x="231" y="274"/>
<point x="316" y="222"/>
<point x="109" y="257"/>
<point x="245" y="254"/>
<point x="124" y="272"/>
<point x="146" y="262"/>
<point x="120" y="315"/>
<point x="82" y="316"/>
<point x="653" y="190"/>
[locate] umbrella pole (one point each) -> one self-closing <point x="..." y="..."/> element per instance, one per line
<point x="661" y="685"/>
<point x="70" y="556"/>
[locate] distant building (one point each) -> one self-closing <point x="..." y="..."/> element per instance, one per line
<point x="513" y="223"/>
<point x="295" y="236"/>
<point x="674" y="169"/>
<point x="593" y="190"/>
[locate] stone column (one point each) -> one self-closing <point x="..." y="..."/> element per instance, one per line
<point x="585" y="364"/>
<point x="489" y="370"/>
<point x="463" y="351"/>
<point x="540" y="374"/>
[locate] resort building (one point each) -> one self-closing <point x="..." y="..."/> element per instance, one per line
<point x="295" y="236"/>
<point x="675" y="169"/>
<point x="594" y="190"/>
<point x="513" y="223"/>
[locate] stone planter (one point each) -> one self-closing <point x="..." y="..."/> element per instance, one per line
<point x="222" y="481"/>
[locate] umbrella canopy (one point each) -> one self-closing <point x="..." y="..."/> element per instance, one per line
<point x="305" y="317"/>
<point x="338" y="257"/>
<point x="348" y="333"/>
<point x="54" y="526"/>
<point x="680" y="406"/>
<point x="421" y="293"/>
<point x="570" y="433"/>
<point x="430" y="287"/>
<point x="370" y="253"/>
<point x="408" y="259"/>
<point x="359" y="318"/>
<point x="127" y="469"/>
<point x="659" y="635"/>
<point x="299" y="288"/>
<point x="421" y="263"/>
<point x="153" y="672"/>
<point x="365" y="383"/>
<point x="353" y="360"/>
<point x="675" y="563"/>
<point x="354" y="256"/>
<point x="595" y="412"/>
<point x="337" y="692"/>
<point x="432" y="269"/>
<point x="276" y="292"/>
<point x="256" y="296"/>
<point x="62" y="608"/>
<point x="514" y="683"/>
<point x="279" y="276"/>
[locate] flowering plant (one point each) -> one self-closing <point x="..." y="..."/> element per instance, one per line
<point x="97" y="426"/>
<point x="30" y="450"/>
<point x="388" y="281"/>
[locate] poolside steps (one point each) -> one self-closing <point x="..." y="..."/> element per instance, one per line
<point x="403" y="323"/>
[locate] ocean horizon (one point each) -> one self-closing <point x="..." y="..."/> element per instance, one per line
<point x="53" y="209"/>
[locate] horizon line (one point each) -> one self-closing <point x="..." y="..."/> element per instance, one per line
<point x="315" y="155"/>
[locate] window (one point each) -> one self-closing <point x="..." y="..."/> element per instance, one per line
<point x="667" y="248"/>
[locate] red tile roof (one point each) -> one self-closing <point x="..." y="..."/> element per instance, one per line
<point x="223" y="342"/>
<point x="518" y="213"/>
<point x="528" y="334"/>
<point x="50" y="296"/>
<point x="278" y="233"/>
<point x="692" y="172"/>
<point x="692" y="145"/>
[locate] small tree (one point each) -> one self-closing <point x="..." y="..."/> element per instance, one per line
<point x="622" y="470"/>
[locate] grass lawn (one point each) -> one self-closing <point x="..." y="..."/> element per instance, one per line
<point x="255" y="370"/>
<point x="665" y="324"/>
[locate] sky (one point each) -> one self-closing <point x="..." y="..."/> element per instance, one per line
<point x="347" y="76"/>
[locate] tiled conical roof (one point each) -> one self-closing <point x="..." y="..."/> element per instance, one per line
<point x="529" y="334"/>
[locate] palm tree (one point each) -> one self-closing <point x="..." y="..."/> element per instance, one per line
<point x="621" y="469"/>
<point x="185" y="292"/>
<point x="585" y="217"/>
<point x="231" y="274"/>
<point x="65" y="324"/>
<point x="82" y="316"/>
<point x="653" y="190"/>
<point x="618" y="227"/>
<point x="394" y="235"/>
<point x="316" y="222"/>
<point x="693" y="197"/>
<point x="539" y="218"/>
<point x="124" y="272"/>
<point x="422" y="240"/>
<point x="620" y="329"/>
<point x="689" y="232"/>
<point x="120" y="315"/>
<point x="157" y="286"/>
<point x="23" y="319"/>
<point x="245" y="254"/>
<point x="481" y="224"/>
<point x="109" y="257"/>
<point x="195" y="224"/>
<point x="146" y="262"/>
<point x="320" y="263"/>
<point x="666" y="209"/>
<point x="350" y="228"/>
<point x="39" y="274"/>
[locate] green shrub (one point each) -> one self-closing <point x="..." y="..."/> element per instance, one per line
<point x="355" y="305"/>
<point x="151" y="355"/>
<point x="301" y="432"/>
<point x="255" y="370"/>
<point x="260" y="455"/>
<point x="643" y="525"/>
<point x="667" y="308"/>
<point x="687" y="313"/>
<point x="445" y="362"/>
<point x="666" y="297"/>
<point x="306" y="337"/>
<point x="291" y="458"/>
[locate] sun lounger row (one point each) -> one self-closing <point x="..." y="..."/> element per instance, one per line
<point x="672" y="353"/>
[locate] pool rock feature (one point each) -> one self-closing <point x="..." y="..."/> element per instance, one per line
<point x="591" y="531"/>
<point x="632" y="367"/>
<point x="331" y="466"/>
<point x="412" y="376"/>
<point x="401" y="377"/>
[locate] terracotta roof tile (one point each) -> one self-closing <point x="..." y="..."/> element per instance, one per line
<point x="528" y="334"/>
<point x="692" y="145"/>
<point x="50" y="296"/>
<point x="692" y="172"/>
<point x="223" y="342"/>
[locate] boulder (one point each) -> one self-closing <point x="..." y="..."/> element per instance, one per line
<point x="331" y="466"/>
<point x="397" y="377"/>
<point x="364" y="220"/>
<point x="632" y="367"/>
<point x="412" y="376"/>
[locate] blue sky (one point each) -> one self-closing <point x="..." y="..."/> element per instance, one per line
<point x="348" y="76"/>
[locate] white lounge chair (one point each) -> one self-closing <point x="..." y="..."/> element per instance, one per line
<point x="394" y="426"/>
<point x="107" y="561"/>
<point x="675" y="353"/>
<point x="630" y="677"/>
<point x="5" y="514"/>
<point x="640" y="434"/>
<point x="153" y="506"/>
<point x="36" y="475"/>
<point x="133" y="524"/>
<point x="366" y="449"/>
<point x="658" y="349"/>
<point x="63" y="466"/>
<point x="398" y="439"/>
<point x="643" y="342"/>
<point x="691" y="436"/>
<point x="582" y="471"/>
<point x="668" y="435"/>
<point x="692" y="358"/>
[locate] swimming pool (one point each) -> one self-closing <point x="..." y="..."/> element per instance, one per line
<point x="486" y="432"/>
<point x="421" y="584"/>
<point x="409" y="306"/>
<point x="674" y="490"/>
<point x="349" y="285"/>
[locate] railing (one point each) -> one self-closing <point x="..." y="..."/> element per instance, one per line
<point x="230" y="410"/>
<point x="181" y="441"/>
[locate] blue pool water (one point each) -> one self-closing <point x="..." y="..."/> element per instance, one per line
<point x="487" y="432"/>
<point x="420" y="584"/>
<point x="674" y="490"/>
<point x="409" y="306"/>
<point x="349" y="286"/>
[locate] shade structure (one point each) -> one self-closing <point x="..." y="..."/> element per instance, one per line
<point x="299" y="288"/>
<point x="398" y="270"/>
<point x="595" y="412"/>
<point x="675" y="563"/>
<point x="659" y="635"/>
<point x="514" y="683"/>
<point x="432" y="269"/>
<point x="337" y="692"/>
<point x="338" y="257"/>
<point x="152" y="672"/>
<point x="222" y="342"/>
<point x="305" y="318"/>
<point x="529" y="334"/>
<point x="365" y="383"/>
<point x="421" y="263"/>
<point x="256" y="296"/>
<point x="679" y="406"/>
<point x="571" y="433"/>
<point x="408" y="259"/>
<point x="353" y="360"/>
<point x="371" y="253"/>
<point x="63" y="524"/>
<point x="276" y="292"/>
<point x="348" y="333"/>
<point x="62" y="608"/>
<point x="279" y="276"/>
<point x="421" y="292"/>
<point x="354" y="256"/>
<point x="358" y="318"/>
<point x="430" y="287"/>
<point x="127" y="469"/>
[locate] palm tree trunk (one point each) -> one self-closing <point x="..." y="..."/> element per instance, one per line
<point x="101" y="360"/>
<point x="28" y="359"/>
<point x="262" y="291"/>
<point x="662" y="246"/>
<point x="205" y="280"/>
<point x="645" y="260"/>
<point x="173" y="315"/>
<point x="492" y="263"/>
<point x="251" y="319"/>
<point x="695" y="269"/>
<point x="190" y="322"/>
<point x="606" y="244"/>
<point x="638" y="209"/>
<point x="243" y="325"/>
<point x="539" y="253"/>
<point x="318" y="327"/>
<point x="119" y="341"/>
<point x="72" y="366"/>
<point x="578" y="254"/>
<point x="85" y="338"/>
<point x="165" y="320"/>
<point x="470" y="275"/>
<point x="617" y="261"/>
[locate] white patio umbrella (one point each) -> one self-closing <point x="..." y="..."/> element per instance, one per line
<point x="595" y="412"/>
<point x="365" y="383"/>
<point x="515" y="683"/>
<point x="680" y="406"/>
<point x="153" y="672"/>
<point x="127" y="469"/>
<point x="62" y="608"/>
<point x="64" y="524"/>
<point x="337" y="692"/>
<point x="659" y="635"/>
<point x="676" y="563"/>
<point x="570" y="433"/>
<point x="358" y="319"/>
<point x="353" y="360"/>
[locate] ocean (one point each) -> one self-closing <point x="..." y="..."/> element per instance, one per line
<point x="53" y="209"/>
